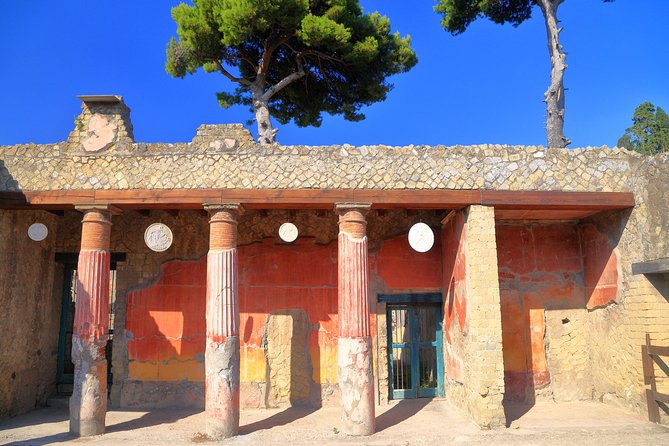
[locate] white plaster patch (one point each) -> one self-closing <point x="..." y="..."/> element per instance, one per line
<point x="101" y="133"/>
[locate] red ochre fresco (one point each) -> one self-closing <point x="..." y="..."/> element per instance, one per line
<point x="545" y="267"/>
<point x="166" y="325"/>
<point x="454" y="242"/>
<point x="600" y="266"/>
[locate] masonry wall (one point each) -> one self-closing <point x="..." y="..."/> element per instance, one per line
<point x="30" y="302"/>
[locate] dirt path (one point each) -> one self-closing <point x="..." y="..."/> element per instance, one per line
<point x="409" y="422"/>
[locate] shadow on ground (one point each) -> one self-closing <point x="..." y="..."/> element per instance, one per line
<point x="401" y="411"/>
<point x="514" y="411"/>
<point x="163" y="416"/>
<point x="279" y="419"/>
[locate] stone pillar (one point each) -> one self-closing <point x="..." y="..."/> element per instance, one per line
<point x="88" y="404"/>
<point x="222" y="320"/>
<point x="356" y="377"/>
<point x="483" y="342"/>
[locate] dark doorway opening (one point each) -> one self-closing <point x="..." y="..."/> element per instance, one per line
<point x="65" y="367"/>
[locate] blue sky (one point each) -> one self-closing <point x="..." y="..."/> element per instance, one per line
<point x="484" y="86"/>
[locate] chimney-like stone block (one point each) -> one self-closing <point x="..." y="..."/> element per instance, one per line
<point x="222" y="137"/>
<point x="103" y="125"/>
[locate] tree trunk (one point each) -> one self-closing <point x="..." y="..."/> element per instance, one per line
<point x="266" y="134"/>
<point x="554" y="96"/>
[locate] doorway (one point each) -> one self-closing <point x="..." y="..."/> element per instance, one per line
<point x="65" y="367"/>
<point x="415" y="358"/>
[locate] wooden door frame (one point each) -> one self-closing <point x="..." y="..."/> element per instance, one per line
<point x="411" y="301"/>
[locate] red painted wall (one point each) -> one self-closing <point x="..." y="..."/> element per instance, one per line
<point x="165" y="321"/>
<point x="454" y="242"/>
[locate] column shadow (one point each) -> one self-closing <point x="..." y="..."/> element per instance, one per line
<point x="153" y="418"/>
<point x="282" y="418"/>
<point x="401" y="411"/>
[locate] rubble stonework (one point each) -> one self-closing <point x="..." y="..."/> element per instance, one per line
<point x="209" y="163"/>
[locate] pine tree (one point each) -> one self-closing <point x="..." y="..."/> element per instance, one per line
<point x="649" y="133"/>
<point x="291" y="59"/>
<point x="459" y="14"/>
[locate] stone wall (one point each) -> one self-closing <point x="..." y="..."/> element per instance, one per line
<point x="30" y="302"/>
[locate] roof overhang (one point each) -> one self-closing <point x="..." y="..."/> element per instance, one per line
<point x="509" y="205"/>
<point x="657" y="266"/>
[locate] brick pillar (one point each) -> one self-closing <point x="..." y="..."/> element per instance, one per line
<point x="356" y="377"/>
<point x="222" y="320"/>
<point x="88" y="404"/>
<point x="483" y="342"/>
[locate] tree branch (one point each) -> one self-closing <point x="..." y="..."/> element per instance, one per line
<point x="283" y="83"/>
<point x="226" y="73"/>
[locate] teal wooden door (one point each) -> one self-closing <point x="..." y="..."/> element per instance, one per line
<point x="415" y="359"/>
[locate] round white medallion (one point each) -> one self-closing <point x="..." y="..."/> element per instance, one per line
<point x="38" y="232"/>
<point x="158" y="237"/>
<point x="288" y="232"/>
<point x="421" y="237"/>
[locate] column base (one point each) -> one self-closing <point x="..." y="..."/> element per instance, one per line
<point x="88" y="403"/>
<point x="222" y="388"/>
<point x="87" y="428"/>
<point x="356" y="383"/>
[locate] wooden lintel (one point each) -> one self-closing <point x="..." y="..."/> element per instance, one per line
<point x="557" y="200"/>
<point x="577" y="203"/>
<point x="658" y="266"/>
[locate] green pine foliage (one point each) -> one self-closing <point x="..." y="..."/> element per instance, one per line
<point x="649" y="133"/>
<point x="303" y="57"/>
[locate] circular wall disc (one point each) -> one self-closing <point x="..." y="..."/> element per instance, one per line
<point x="158" y="237"/>
<point x="288" y="232"/>
<point x="421" y="237"/>
<point x="38" y="232"/>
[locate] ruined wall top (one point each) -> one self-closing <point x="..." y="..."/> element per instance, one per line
<point x="101" y="153"/>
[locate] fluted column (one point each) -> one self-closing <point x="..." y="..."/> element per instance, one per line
<point x="356" y="377"/>
<point x="88" y="404"/>
<point x="222" y="319"/>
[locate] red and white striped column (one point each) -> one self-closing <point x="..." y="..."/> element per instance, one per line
<point x="356" y="375"/>
<point x="88" y="404"/>
<point x="222" y="324"/>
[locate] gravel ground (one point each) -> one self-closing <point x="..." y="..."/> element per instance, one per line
<point x="408" y="422"/>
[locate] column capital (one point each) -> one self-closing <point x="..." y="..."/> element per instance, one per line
<point x="343" y="207"/>
<point x="233" y="208"/>
<point x="223" y="225"/>
<point x="352" y="218"/>
<point x="98" y="207"/>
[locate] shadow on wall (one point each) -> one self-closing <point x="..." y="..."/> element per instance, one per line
<point x="661" y="284"/>
<point x="7" y="181"/>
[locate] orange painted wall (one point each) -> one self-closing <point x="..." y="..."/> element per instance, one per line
<point x="539" y="268"/>
<point x="544" y="267"/>
<point x="600" y="266"/>
<point x="165" y="321"/>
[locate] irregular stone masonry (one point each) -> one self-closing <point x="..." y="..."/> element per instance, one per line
<point x="225" y="157"/>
